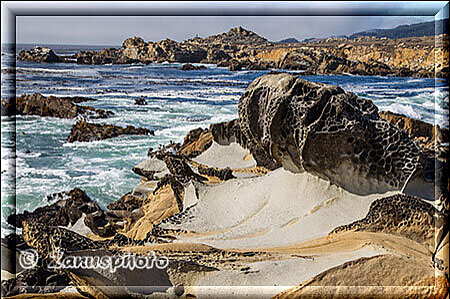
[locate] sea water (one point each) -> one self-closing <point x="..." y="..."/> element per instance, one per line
<point x="177" y="102"/>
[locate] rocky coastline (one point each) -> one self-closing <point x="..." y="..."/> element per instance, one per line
<point x="354" y="176"/>
<point x="240" y="48"/>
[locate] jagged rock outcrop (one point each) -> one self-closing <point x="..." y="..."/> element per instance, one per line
<point x="401" y="214"/>
<point x="38" y="280"/>
<point x="196" y="142"/>
<point x="85" y="132"/>
<point x="62" y="107"/>
<point x="105" y="56"/>
<point x="180" y="169"/>
<point x="240" y="48"/>
<point x="236" y="35"/>
<point x="71" y="206"/>
<point x="199" y="140"/>
<point x="191" y="67"/>
<point x="306" y="126"/>
<point x="222" y="174"/>
<point x="39" y="54"/>
<point x="319" y="62"/>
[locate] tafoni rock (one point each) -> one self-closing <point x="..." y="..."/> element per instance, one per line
<point x="321" y="129"/>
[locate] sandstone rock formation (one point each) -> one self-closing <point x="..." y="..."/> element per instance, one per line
<point x="62" y="107"/>
<point x="240" y="48"/>
<point x="322" y="129"/>
<point x="84" y="131"/>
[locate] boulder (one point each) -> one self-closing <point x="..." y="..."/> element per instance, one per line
<point x="306" y="126"/>
<point x="191" y="67"/>
<point x="85" y="132"/>
<point x="140" y="101"/>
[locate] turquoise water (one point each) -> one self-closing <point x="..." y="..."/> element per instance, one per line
<point x="177" y="101"/>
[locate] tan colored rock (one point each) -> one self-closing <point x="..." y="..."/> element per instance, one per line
<point x="384" y="276"/>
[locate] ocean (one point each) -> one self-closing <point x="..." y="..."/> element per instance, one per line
<point x="177" y="102"/>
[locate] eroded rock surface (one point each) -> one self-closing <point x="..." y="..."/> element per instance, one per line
<point x="85" y="132"/>
<point x="306" y="126"/>
<point x="426" y="134"/>
<point x="400" y="214"/>
<point x="62" y="107"/>
<point x="39" y="54"/>
<point x="70" y="207"/>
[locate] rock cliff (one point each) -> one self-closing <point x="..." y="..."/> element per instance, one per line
<point x="241" y="48"/>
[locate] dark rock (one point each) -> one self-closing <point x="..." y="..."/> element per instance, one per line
<point x="48" y="239"/>
<point x="322" y="129"/>
<point x="191" y="67"/>
<point x="62" y="107"/>
<point x="235" y="66"/>
<point x="39" y="54"/>
<point x="227" y="132"/>
<point x="85" y="132"/>
<point x="124" y="282"/>
<point x="38" y="280"/>
<point x="170" y="148"/>
<point x="180" y="169"/>
<point x="67" y="210"/>
<point x="223" y="174"/>
<point x="140" y="101"/>
<point x="105" y="56"/>
<point x="127" y="202"/>
<point x="8" y="107"/>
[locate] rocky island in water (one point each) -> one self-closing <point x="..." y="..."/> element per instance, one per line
<point x="309" y="191"/>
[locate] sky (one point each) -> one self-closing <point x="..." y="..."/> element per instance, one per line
<point x="113" y="30"/>
<point x="111" y="22"/>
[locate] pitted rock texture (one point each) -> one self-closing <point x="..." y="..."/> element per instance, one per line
<point x="426" y="134"/>
<point x="306" y="126"/>
<point x="85" y="132"/>
<point x="400" y="214"/>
